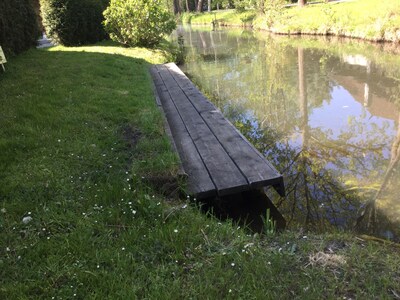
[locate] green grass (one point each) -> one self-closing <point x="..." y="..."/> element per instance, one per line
<point x="83" y="153"/>
<point x="367" y="19"/>
<point x="223" y="17"/>
<point x="373" y="20"/>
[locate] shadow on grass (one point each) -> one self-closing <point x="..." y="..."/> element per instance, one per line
<point x="248" y="209"/>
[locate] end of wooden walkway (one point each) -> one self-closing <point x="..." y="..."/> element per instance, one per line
<point x="218" y="159"/>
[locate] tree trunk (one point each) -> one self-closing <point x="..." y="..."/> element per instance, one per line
<point x="213" y="46"/>
<point x="203" y="42"/>
<point x="209" y="5"/>
<point x="303" y="96"/>
<point x="199" y="6"/>
<point x="187" y="5"/>
<point x="301" y="3"/>
<point x="177" y="7"/>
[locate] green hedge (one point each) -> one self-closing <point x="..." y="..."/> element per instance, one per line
<point x="74" y="22"/>
<point x="19" y="28"/>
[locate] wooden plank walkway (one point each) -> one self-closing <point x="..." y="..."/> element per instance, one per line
<point x="218" y="159"/>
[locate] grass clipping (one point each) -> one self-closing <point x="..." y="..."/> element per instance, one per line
<point x="326" y="260"/>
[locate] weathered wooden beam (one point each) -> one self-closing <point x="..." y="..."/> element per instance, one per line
<point x="218" y="159"/>
<point x="224" y="173"/>
<point x="199" y="183"/>
<point x="257" y="170"/>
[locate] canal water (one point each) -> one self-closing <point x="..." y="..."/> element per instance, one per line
<point x="324" y="111"/>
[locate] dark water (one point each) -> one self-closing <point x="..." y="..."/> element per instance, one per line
<point x="324" y="111"/>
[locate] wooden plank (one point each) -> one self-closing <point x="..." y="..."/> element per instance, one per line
<point x="199" y="181"/>
<point x="181" y="171"/>
<point x="199" y="101"/>
<point x="156" y="76"/>
<point x="226" y="176"/>
<point x="223" y="171"/>
<point x="157" y="81"/>
<point x="257" y="170"/>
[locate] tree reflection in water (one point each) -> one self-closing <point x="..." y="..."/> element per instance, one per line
<point x="328" y="120"/>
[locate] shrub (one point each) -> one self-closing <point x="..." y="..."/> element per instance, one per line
<point x="19" y="28"/>
<point x="74" y="22"/>
<point x="138" y="22"/>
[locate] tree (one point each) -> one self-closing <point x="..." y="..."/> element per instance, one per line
<point x="199" y="6"/>
<point x="177" y="7"/>
<point x="301" y="3"/>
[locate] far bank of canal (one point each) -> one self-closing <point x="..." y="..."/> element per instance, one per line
<point x="325" y="111"/>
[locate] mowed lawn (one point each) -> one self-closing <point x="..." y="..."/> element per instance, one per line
<point x="79" y="128"/>
<point x="87" y="210"/>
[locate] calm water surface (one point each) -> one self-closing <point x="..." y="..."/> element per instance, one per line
<point x="325" y="112"/>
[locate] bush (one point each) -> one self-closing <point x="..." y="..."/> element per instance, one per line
<point x="74" y="22"/>
<point x="19" y="28"/>
<point x="138" y="22"/>
<point x="242" y="5"/>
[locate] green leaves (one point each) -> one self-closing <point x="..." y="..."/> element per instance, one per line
<point x="74" y="22"/>
<point x="138" y="22"/>
<point x="19" y="26"/>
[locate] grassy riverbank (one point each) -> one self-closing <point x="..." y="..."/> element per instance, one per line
<point x="223" y="18"/>
<point x="88" y="208"/>
<point x="366" y="19"/>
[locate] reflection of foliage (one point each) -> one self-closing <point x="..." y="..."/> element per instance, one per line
<point x="314" y="197"/>
<point x="384" y="58"/>
<point x="329" y="174"/>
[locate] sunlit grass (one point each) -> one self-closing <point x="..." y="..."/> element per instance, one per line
<point x="72" y="121"/>
<point x="367" y="19"/>
<point x="223" y="17"/>
<point x="154" y="56"/>
<point x="370" y="19"/>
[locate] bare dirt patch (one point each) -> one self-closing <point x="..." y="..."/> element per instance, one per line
<point x="131" y="135"/>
